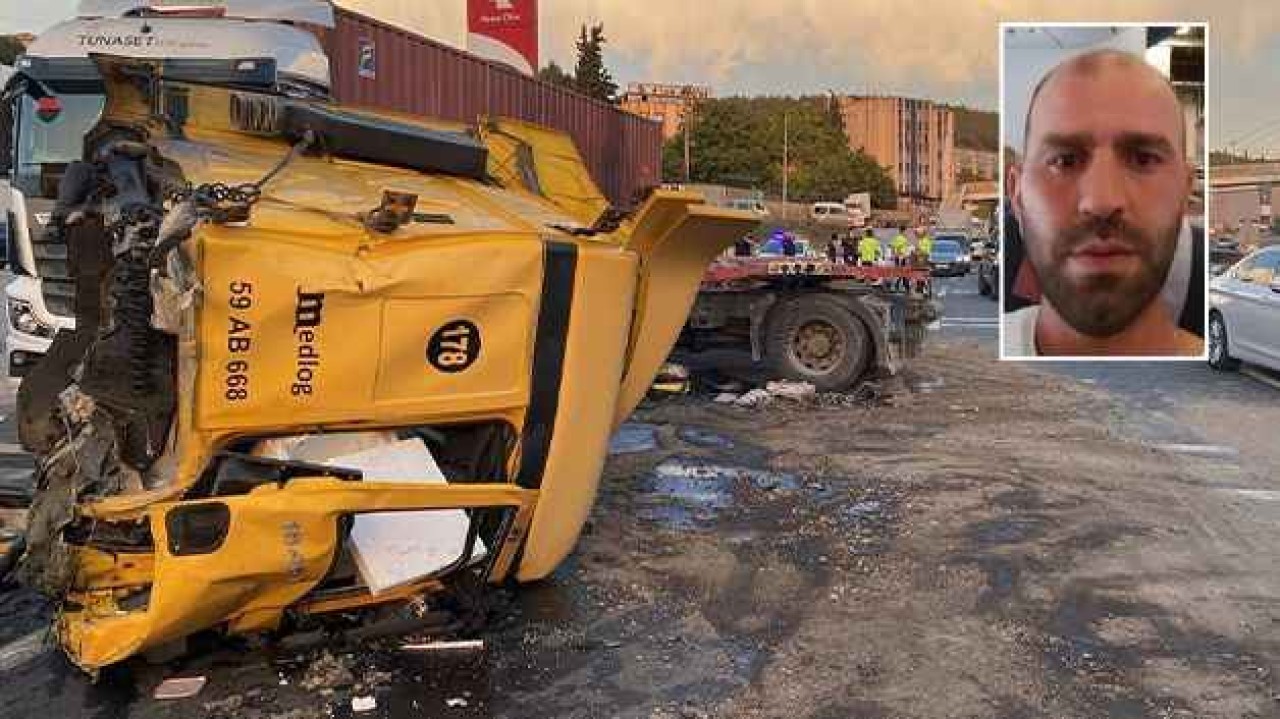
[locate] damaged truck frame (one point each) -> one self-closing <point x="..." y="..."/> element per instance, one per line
<point x="272" y="296"/>
<point x="830" y="324"/>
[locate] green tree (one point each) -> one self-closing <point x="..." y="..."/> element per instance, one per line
<point x="738" y="141"/>
<point x="1222" y="157"/>
<point x="590" y="75"/>
<point x="10" y="49"/>
<point x="556" y="75"/>
<point x="976" y="129"/>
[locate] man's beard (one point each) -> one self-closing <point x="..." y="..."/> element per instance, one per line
<point x="1103" y="304"/>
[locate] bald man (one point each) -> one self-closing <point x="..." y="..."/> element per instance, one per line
<point x="1099" y="194"/>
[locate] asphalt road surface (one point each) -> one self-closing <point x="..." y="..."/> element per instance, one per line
<point x="1174" y="403"/>
<point x="970" y="539"/>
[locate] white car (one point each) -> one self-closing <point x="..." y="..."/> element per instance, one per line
<point x="1244" y="312"/>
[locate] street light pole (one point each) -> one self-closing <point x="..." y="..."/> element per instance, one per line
<point x="785" y="169"/>
<point x="690" y="97"/>
<point x="688" y="128"/>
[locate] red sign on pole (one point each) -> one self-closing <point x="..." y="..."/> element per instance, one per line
<point x="505" y="31"/>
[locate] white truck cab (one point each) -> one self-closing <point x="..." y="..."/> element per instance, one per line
<point x="54" y="97"/>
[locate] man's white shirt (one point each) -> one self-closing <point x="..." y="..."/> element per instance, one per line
<point x="1020" y="332"/>
<point x="1020" y="326"/>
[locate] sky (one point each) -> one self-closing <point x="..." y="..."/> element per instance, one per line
<point x="944" y="50"/>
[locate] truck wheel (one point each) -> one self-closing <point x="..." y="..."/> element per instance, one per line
<point x="813" y="338"/>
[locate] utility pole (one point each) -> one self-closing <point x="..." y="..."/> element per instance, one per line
<point x="786" y="170"/>
<point x="688" y="120"/>
<point x="691" y="97"/>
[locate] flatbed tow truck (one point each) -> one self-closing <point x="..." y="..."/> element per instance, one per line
<point x="831" y="324"/>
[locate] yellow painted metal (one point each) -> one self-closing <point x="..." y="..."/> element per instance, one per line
<point x="560" y="174"/>
<point x="593" y="365"/>
<point x="677" y="235"/>
<point x="307" y="321"/>
<point x="111" y="570"/>
<point x="280" y="542"/>
<point x="360" y="597"/>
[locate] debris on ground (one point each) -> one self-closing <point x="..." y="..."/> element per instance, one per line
<point x="328" y="672"/>
<point x="362" y="704"/>
<point x="224" y="707"/>
<point x="796" y="391"/>
<point x="455" y="702"/>
<point x="775" y="391"/>
<point x="753" y="398"/>
<point x="672" y="378"/>
<point x="179" y="687"/>
<point x="461" y="645"/>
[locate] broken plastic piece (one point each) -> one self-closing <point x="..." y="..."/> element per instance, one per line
<point x="395" y="548"/>
<point x="179" y="687"/>
<point x="390" y="549"/>
<point x="462" y="645"/>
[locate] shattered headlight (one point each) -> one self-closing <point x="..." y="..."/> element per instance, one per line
<point x="23" y="319"/>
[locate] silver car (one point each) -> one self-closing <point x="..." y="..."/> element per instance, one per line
<point x="1244" y="312"/>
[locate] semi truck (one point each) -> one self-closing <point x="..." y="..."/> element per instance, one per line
<point x="283" y="410"/>
<point x="808" y="319"/>
<point x="55" y="97"/>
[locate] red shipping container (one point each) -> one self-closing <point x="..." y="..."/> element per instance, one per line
<point x="378" y="65"/>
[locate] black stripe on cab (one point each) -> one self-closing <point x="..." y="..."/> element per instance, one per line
<point x="559" y="263"/>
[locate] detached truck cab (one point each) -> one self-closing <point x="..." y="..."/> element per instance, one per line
<point x="55" y="96"/>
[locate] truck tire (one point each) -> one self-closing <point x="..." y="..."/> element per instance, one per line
<point x="814" y="338"/>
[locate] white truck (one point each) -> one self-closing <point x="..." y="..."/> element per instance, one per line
<point x="858" y="205"/>
<point x="55" y="96"/>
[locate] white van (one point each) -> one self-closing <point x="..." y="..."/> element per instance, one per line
<point x="832" y="214"/>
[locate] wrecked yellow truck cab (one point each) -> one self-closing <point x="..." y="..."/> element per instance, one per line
<point x="328" y="360"/>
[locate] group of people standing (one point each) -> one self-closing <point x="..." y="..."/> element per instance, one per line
<point x="867" y="250"/>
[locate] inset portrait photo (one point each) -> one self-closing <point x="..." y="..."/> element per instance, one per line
<point x="1103" y="184"/>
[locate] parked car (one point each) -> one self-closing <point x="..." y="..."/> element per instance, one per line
<point x="950" y="256"/>
<point x="1223" y="253"/>
<point x="1244" y="312"/>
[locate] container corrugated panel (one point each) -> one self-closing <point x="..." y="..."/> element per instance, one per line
<point x="411" y="73"/>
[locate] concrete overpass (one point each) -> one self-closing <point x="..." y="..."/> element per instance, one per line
<point x="1240" y="195"/>
<point x="1253" y="173"/>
